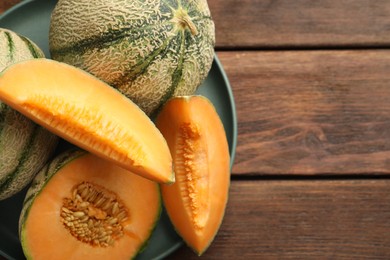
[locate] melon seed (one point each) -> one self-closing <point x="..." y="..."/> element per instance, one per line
<point x="84" y="204"/>
<point x="94" y="215"/>
<point x="112" y="221"/>
<point x="106" y="206"/>
<point x="100" y="202"/>
<point x="115" y="208"/>
<point x="78" y="214"/>
<point x="121" y="215"/>
<point x="65" y="210"/>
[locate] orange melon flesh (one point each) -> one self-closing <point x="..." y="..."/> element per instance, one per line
<point x="44" y="235"/>
<point x="88" y="113"/>
<point x="196" y="202"/>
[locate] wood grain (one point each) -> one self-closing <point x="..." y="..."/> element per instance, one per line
<point x="343" y="219"/>
<point x="300" y="23"/>
<point x="6" y="4"/>
<point x="311" y="112"/>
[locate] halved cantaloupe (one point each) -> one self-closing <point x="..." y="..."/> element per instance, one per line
<point x="88" y="113"/>
<point x="80" y="206"/>
<point x="196" y="202"/>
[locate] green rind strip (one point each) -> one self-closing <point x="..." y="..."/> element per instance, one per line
<point x="3" y="111"/>
<point x="105" y="40"/>
<point x="195" y="17"/>
<point x="33" y="49"/>
<point x="139" y="68"/>
<point x="11" y="46"/>
<point x="44" y="171"/>
<point x="25" y="155"/>
<point x="170" y="4"/>
<point x="176" y="76"/>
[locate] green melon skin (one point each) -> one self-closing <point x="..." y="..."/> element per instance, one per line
<point x="24" y="146"/>
<point x="148" y="50"/>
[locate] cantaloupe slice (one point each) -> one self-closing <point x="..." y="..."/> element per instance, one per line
<point x="88" y="113"/>
<point x="80" y="206"/>
<point x="196" y="201"/>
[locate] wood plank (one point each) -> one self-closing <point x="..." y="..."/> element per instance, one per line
<point x="286" y="23"/>
<point x="342" y="219"/>
<point x="311" y="112"/>
<point x="6" y="4"/>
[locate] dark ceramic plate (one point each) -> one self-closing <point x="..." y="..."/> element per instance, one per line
<point x="31" y="19"/>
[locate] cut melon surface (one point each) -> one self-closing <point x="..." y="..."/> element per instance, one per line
<point x="83" y="207"/>
<point x="196" y="202"/>
<point x="88" y="113"/>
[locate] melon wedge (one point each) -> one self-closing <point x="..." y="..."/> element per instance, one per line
<point x="196" y="202"/>
<point x="88" y="113"/>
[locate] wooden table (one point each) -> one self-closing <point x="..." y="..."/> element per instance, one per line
<point x="311" y="81"/>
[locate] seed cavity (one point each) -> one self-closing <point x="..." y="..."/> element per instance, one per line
<point x="192" y="173"/>
<point x="84" y="217"/>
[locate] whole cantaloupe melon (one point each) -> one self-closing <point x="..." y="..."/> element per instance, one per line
<point x="24" y="146"/>
<point x="148" y="50"/>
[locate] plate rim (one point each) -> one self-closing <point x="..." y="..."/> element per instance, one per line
<point x="233" y="111"/>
